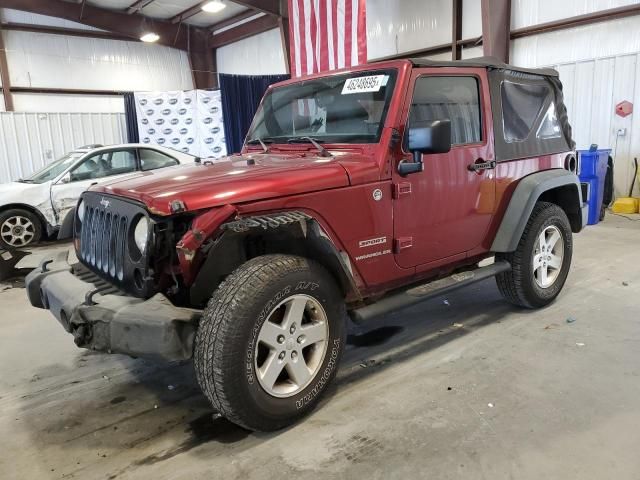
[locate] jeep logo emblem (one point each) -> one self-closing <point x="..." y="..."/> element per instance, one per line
<point x="104" y="202"/>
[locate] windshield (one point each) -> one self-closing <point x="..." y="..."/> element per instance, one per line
<point x="349" y="108"/>
<point x="54" y="169"/>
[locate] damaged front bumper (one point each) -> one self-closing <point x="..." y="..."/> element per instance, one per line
<point x="103" y="319"/>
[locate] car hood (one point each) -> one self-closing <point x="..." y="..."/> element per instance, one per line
<point x="18" y="192"/>
<point x="231" y="180"/>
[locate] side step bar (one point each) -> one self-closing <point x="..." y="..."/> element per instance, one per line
<point x="429" y="290"/>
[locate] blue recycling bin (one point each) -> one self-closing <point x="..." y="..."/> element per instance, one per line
<point x="593" y="171"/>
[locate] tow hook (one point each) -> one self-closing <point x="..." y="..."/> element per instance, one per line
<point x="82" y="335"/>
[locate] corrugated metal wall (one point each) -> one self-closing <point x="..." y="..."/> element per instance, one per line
<point x="28" y="141"/>
<point x="41" y="60"/>
<point x="257" y="55"/>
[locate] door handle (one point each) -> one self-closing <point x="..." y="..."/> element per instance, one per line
<point x="480" y="165"/>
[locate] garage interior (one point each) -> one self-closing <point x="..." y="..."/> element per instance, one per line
<point x="463" y="385"/>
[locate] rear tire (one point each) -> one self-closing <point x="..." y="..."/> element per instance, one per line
<point x="270" y="340"/>
<point x="19" y="228"/>
<point x="541" y="262"/>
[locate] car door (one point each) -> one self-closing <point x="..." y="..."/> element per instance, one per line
<point x="445" y="210"/>
<point x="101" y="167"/>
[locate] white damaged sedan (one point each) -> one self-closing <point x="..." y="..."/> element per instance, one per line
<point x="33" y="207"/>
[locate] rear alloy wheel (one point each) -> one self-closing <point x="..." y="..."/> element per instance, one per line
<point x="541" y="262"/>
<point x="548" y="257"/>
<point x="18" y="228"/>
<point x="270" y="340"/>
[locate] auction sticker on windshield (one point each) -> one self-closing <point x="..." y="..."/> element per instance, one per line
<point x="371" y="83"/>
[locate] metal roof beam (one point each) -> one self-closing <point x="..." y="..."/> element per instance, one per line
<point x="119" y="22"/>
<point x="139" y="5"/>
<point x="187" y="13"/>
<point x="248" y="29"/>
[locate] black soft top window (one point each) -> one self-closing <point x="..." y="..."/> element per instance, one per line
<point x="530" y="118"/>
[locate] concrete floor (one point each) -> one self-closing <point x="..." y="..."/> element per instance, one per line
<point x="472" y="389"/>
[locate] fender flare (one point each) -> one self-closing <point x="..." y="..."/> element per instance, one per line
<point x="318" y="245"/>
<point x="527" y="193"/>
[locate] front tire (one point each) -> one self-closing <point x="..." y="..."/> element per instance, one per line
<point x="270" y="340"/>
<point x="19" y="228"/>
<point x="541" y="262"/>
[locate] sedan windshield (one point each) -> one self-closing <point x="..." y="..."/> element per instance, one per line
<point x="54" y="169"/>
<point x="349" y="108"/>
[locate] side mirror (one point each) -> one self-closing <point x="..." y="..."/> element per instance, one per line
<point x="66" y="178"/>
<point x="433" y="136"/>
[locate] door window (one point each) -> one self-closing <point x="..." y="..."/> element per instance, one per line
<point x="449" y="98"/>
<point x="105" y="164"/>
<point x="152" y="159"/>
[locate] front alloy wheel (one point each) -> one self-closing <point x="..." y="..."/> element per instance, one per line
<point x="292" y="344"/>
<point x="18" y="228"/>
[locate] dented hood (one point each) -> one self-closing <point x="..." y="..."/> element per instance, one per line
<point x="232" y="180"/>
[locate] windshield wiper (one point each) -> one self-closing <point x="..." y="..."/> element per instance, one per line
<point x="316" y="143"/>
<point x="25" y="180"/>
<point x="263" y="143"/>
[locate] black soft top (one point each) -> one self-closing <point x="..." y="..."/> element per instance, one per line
<point x="483" y="62"/>
<point x="529" y="114"/>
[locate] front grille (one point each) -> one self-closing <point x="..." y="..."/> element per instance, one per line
<point x="104" y="243"/>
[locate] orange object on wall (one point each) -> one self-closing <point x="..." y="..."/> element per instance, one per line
<point x="624" y="109"/>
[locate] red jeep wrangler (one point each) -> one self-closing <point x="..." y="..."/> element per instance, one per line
<point x="361" y="191"/>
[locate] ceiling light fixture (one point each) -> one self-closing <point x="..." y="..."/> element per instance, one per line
<point x="213" y="7"/>
<point x="150" y="37"/>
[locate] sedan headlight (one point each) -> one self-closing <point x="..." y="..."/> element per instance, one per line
<point x="80" y="210"/>
<point x="141" y="234"/>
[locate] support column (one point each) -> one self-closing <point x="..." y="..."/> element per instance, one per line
<point x="456" y="33"/>
<point x="202" y="60"/>
<point x="496" y="28"/>
<point x="203" y="69"/>
<point x="283" y="24"/>
<point x="4" y="76"/>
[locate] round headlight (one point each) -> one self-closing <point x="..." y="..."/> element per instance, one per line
<point x="141" y="234"/>
<point x="81" y="210"/>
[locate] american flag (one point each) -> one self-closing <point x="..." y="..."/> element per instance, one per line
<point x="326" y="35"/>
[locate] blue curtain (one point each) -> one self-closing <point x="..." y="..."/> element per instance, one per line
<point x="241" y="96"/>
<point x="131" y="118"/>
